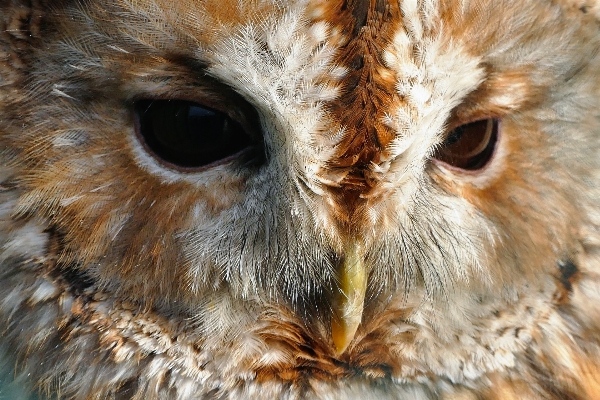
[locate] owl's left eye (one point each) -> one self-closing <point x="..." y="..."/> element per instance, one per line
<point x="470" y="146"/>
<point x="189" y="136"/>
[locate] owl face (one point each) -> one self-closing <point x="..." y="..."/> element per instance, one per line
<point x="336" y="161"/>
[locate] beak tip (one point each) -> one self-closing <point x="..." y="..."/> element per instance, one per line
<point x="349" y="304"/>
<point x="342" y="336"/>
<point x="344" y="325"/>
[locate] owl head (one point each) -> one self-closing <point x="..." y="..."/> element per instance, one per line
<point x="331" y="166"/>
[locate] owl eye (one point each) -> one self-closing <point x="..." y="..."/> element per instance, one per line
<point x="187" y="135"/>
<point x="470" y="146"/>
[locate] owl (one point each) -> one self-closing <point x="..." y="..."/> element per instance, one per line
<point x="300" y="199"/>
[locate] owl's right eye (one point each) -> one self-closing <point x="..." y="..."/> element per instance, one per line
<point x="470" y="147"/>
<point x="189" y="136"/>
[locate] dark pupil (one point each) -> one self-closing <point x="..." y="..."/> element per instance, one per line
<point x="454" y="136"/>
<point x="188" y="135"/>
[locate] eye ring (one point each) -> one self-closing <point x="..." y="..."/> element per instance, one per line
<point x="469" y="147"/>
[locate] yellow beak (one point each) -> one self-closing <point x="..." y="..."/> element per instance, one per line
<point x="349" y="303"/>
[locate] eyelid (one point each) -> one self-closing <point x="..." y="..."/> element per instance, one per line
<point x="211" y="93"/>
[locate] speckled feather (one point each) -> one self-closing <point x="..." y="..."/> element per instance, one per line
<point x="121" y="277"/>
